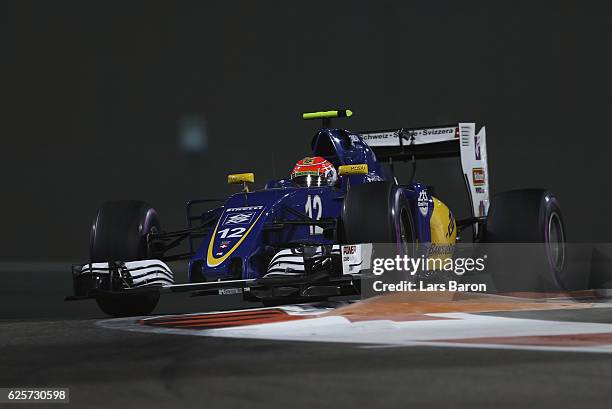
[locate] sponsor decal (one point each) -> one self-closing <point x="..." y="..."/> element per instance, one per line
<point x="307" y="161"/>
<point x="478" y="176"/>
<point x="423" y="202"/>
<point x="353" y="260"/>
<point x="239" y="218"/>
<point x="357" y="168"/>
<point x="451" y="224"/>
<point x="433" y="131"/>
<point x="243" y="209"/>
<point x="414" y="136"/>
<point x="348" y="250"/>
<point x="479" y="190"/>
<point x="439" y="131"/>
<point x="382" y="135"/>
<point x="230" y="291"/>
<point x="306" y="173"/>
<point x="440" y="249"/>
<point x="477" y="147"/>
<point x="224" y="245"/>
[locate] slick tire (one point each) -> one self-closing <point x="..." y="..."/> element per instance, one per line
<point x="118" y="233"/>
<point x="377" y="212"/>
<point x="121" y="305"/>
<point x="525" y="239"/>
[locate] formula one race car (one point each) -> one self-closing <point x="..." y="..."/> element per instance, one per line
<point x="309" y="237"/>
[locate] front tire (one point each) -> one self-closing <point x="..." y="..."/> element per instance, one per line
<point x="127" y="305"/>
<point x="119" y="233"/>
<point x="379" y="213"/>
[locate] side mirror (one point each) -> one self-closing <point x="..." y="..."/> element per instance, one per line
<point x="244" y="178"/>
<point x="359" y="169"/>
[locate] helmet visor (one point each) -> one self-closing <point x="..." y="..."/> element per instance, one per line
<point x="311" y="181"/>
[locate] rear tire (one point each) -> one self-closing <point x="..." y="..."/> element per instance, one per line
<point x="119" y="233"/>
<point x="526" y="216"/>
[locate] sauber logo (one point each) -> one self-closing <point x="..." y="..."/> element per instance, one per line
<point x="423" y="203"/>
<point x="478" y="176"/>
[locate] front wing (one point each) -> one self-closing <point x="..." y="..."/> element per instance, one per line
<point x="92" y="279"/>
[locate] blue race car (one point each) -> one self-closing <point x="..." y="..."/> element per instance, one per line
<point x="311" y="236"/>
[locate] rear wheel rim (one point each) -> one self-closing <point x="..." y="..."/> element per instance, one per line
<point x="556" y="242"/>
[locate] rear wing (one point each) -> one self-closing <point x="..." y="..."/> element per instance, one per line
<point x="439" y="142"/>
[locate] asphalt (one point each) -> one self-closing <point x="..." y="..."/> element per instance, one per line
<point x="46" y="342"/>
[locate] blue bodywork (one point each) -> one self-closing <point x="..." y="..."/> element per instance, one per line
<point x="240" y="246"/>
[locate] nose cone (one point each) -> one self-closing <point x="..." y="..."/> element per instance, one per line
<point x="238" y="234"/>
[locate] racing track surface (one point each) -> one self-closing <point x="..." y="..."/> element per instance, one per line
<point x="45" y="341"/>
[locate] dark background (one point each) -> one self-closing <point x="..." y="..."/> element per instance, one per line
<point x="93" y="92"/>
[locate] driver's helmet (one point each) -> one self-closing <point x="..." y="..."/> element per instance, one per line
<point x="314" y="172"/>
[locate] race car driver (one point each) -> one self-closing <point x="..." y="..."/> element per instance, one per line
<point x="314" y="172"/>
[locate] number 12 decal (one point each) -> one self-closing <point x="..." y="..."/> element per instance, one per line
<point x="314" y="210"/>
<point x="234" y="233"/>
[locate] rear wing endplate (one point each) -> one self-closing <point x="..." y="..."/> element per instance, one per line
<point x="440" y="142"/>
